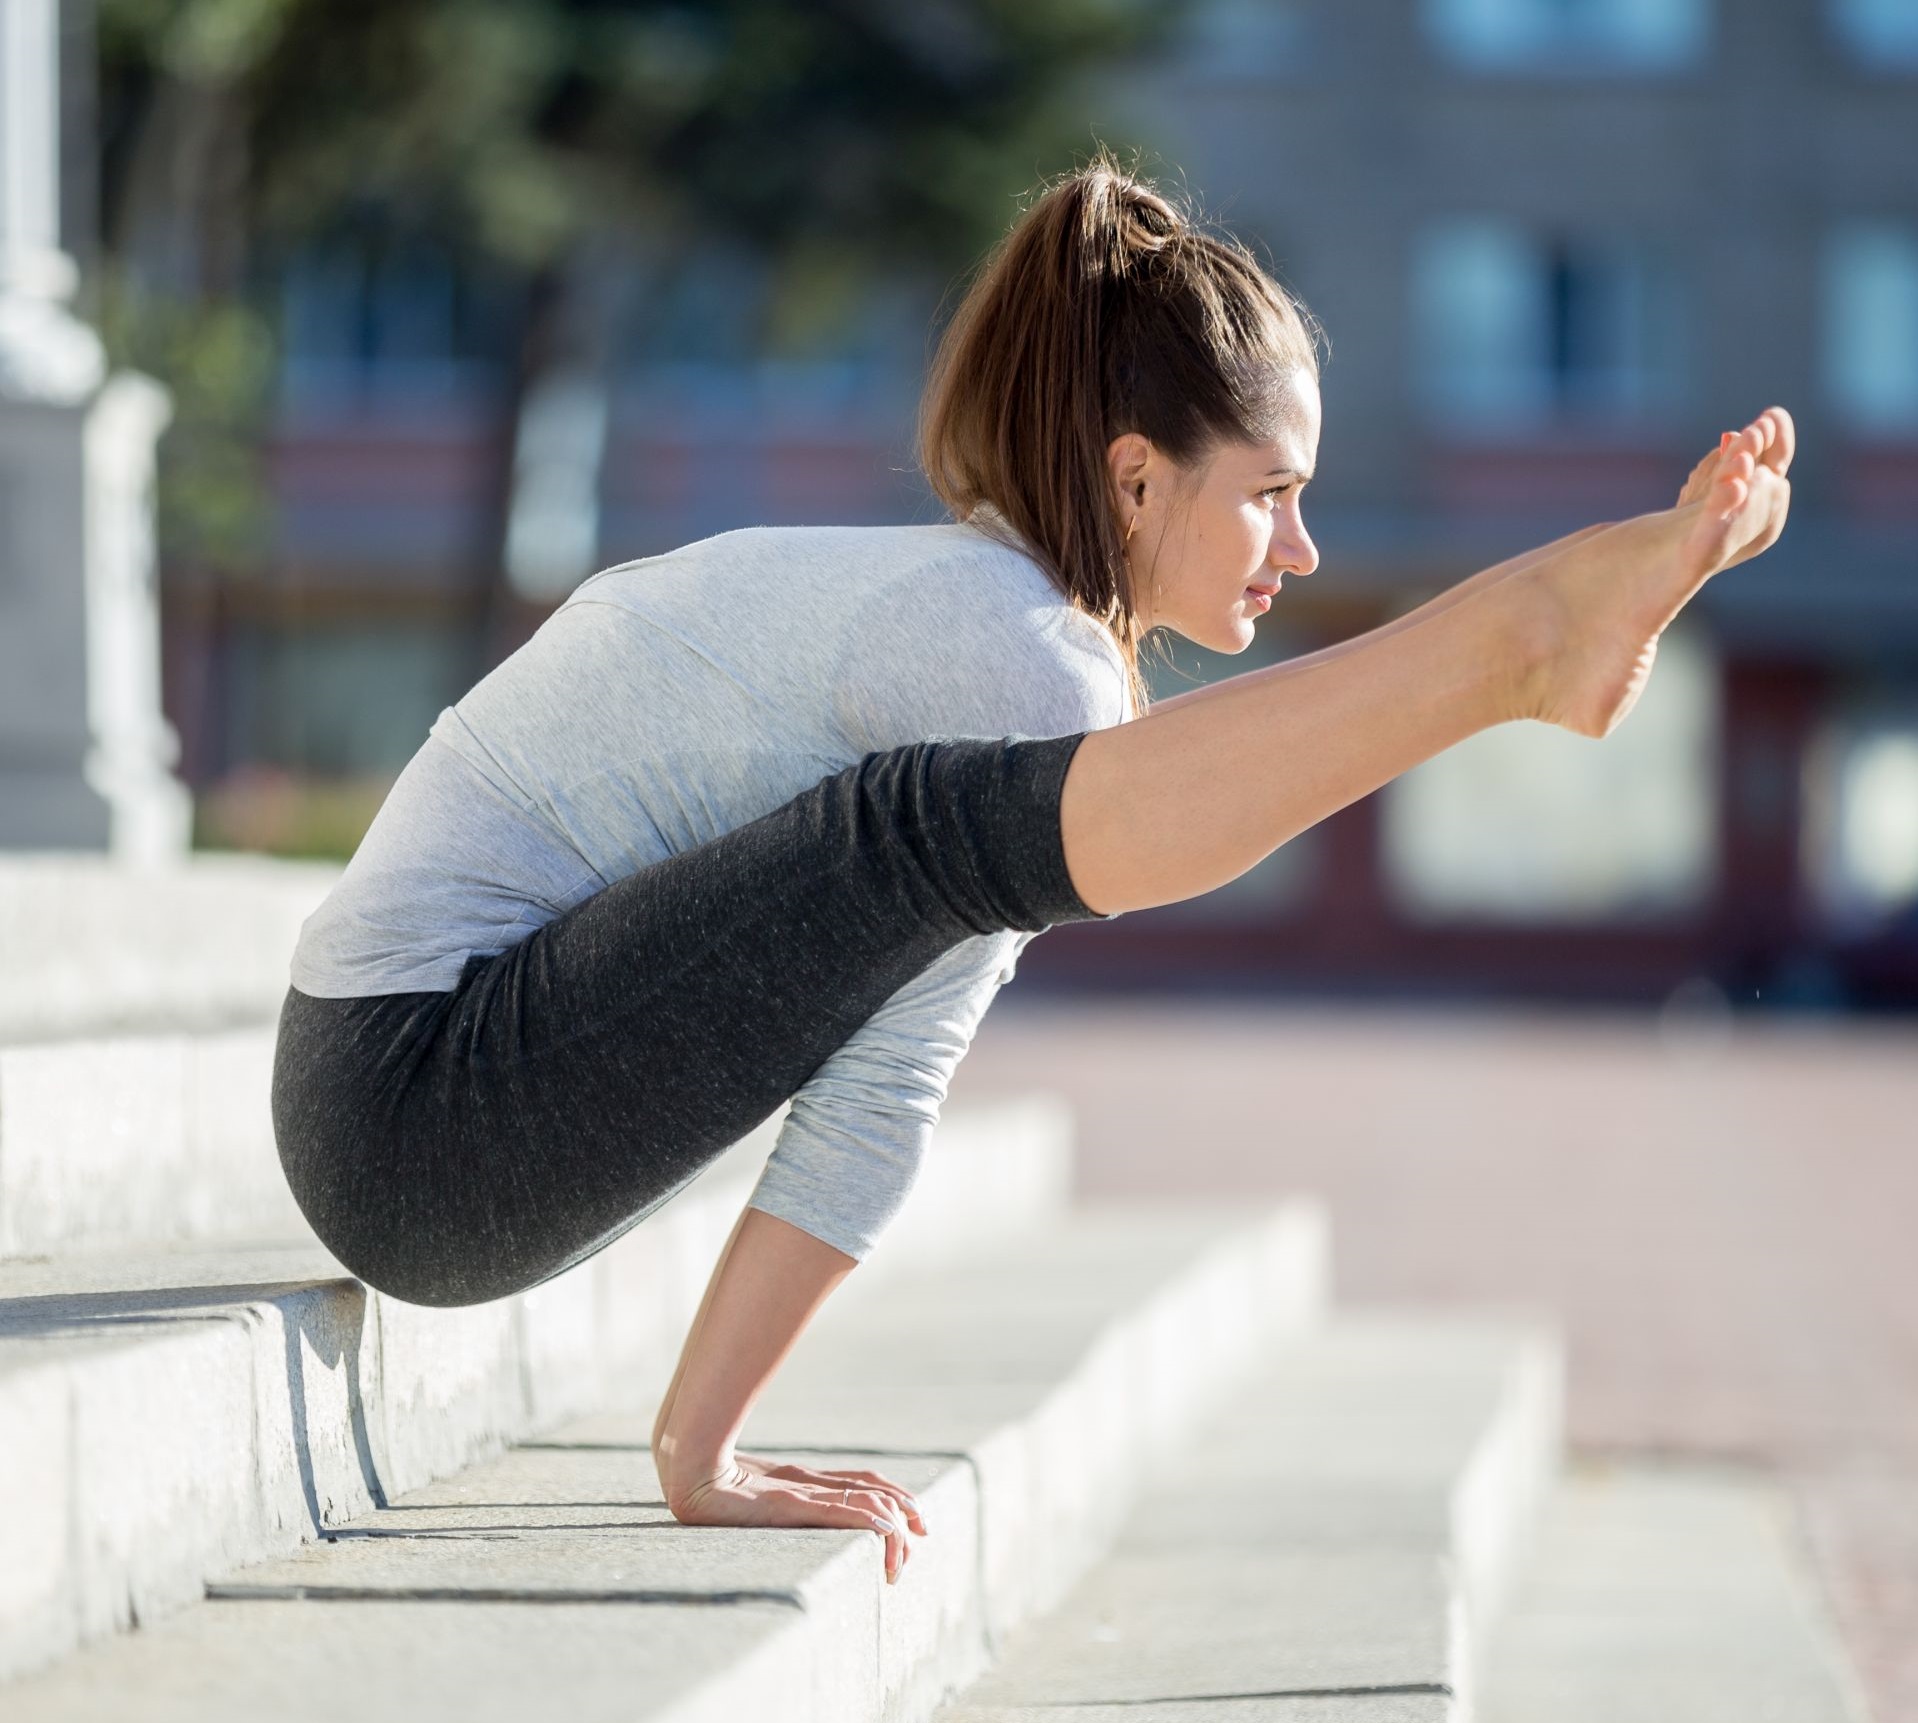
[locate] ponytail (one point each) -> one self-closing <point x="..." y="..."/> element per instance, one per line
<point x="1105" y="309"/>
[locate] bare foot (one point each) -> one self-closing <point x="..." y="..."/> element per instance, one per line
<point x="1609" y="597"/>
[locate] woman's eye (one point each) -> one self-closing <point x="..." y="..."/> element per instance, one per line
<point x="1275" y="490"/>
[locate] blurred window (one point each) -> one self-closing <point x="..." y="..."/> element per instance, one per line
<point x="348" y="698"/>
<point x="1579" y="36"/>
<point x="553" y="514"/>
<point x="1248" y="38"/>
<point x="1879" y="32"/>
<point x="1861" y="814"/>
<point x="1528" y="823"/>
<point x="408" y="317"/>
<point x="707" y="310"/>
<point x="322" y="304"/>
<point x="1515" y="326"/>
<point x="1869" y="310"/>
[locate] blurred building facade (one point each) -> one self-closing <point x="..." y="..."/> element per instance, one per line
<point x="1557" y="248"/>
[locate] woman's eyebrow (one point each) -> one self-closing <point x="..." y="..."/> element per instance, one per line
<point x="1283" y="472"/>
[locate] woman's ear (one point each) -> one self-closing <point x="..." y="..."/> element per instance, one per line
<point x="1127" y="456"/>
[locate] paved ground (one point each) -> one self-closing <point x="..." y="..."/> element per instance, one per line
<point x="1723" y="1220"/>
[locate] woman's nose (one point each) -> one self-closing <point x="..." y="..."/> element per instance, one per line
<point x="1293" y="555"/>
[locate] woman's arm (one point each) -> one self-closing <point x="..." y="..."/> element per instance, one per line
<point x="805" y="1293"/>
<point x="770" y="1279"/>
<point x="1431" y="607"/>
<point x="769" y="1282"/>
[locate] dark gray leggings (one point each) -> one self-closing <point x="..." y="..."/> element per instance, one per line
<point x="454" y="1147"/>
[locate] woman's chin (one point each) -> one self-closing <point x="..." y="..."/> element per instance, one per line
<point x="1230" y="633"/>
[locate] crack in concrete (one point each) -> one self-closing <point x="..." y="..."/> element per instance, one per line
<point x="239" y="1593"/>
<point x="1415" y="1689"/>
<point x="494" y="1534"/>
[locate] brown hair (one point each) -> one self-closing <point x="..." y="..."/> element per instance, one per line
<point x="1105" y="309"/>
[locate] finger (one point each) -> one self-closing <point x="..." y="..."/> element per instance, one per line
<point x="830" y="1478"/>
<point x="886" y="1520"/>
<point x="858" y="1512"/>
<point x="879" y="1481"/>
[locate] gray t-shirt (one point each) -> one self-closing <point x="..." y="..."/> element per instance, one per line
<point x="673" y="698"/>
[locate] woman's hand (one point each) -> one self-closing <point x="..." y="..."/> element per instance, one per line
<point x="836" y="1479"/>
<point x="745" y="1490"/>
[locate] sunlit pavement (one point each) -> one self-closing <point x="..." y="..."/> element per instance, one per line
<point x="1722" y="1214"/>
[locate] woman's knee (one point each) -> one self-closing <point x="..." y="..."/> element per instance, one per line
<point x="980" y="816"/>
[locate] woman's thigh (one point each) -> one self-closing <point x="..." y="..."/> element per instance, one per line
<point x="455" y="1148"/>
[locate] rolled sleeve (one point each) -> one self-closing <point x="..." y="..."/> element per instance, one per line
<point x="850" y="1149"/>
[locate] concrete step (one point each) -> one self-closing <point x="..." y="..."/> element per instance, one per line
<point x="1667" y="1592"/>
<point x="166" y="1414"/>
<point x="116" y="1141"/>
<point x="90" y="946"/>
<point x="1335" y="1545"/>
<point x="112" y="1142"/>
<point x="1023" y="1394"/>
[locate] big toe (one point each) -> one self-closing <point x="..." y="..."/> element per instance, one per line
<point x="1784" y="439"/>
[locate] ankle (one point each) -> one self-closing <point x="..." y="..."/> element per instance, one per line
<point x="1535" y="627"/>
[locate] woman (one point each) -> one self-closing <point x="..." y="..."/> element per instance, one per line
<point x="770" y="817"/>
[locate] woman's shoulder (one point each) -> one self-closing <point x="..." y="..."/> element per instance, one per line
<point x="1080" y="647"/>
<point x="986" y="641"/>
<point x="950" y="611"/>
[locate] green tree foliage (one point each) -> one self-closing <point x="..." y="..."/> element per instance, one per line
<point x="889" y="129"/>
<point x="844" y="140"/>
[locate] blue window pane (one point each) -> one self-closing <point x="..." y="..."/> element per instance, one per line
<point x="1570" y="35"/>
<point x="1515" y="326"/>
<point x="1879" y="32"/>
<point x="1869" y="311"/>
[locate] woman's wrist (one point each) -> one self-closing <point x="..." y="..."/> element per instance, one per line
<point x="683" y="1464"/>
<point x="769" y="1280"/>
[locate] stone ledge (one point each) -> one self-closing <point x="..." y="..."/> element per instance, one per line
<point x="168" y="1413"/>
<point x="90" y="945"/>
<point x="1340" y="1536"/>
<point x="1028" y="1427"/>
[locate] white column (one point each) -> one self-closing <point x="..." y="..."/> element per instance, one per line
<point x="132" y="748"/>
<point x="31" y="263"/>
<point x="84" y="750"/>
<point x="45" y="354"/>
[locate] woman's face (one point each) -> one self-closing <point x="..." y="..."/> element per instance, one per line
<point x="1197" y="553"/>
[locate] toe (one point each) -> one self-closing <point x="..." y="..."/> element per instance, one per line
<point x="1784" y="439"/>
